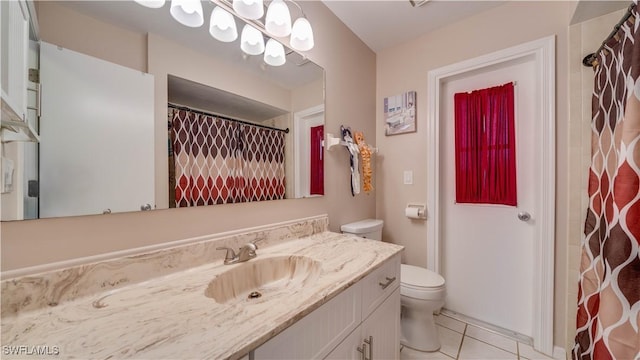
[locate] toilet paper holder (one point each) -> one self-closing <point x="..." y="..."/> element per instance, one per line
<point x="416" y="211"/>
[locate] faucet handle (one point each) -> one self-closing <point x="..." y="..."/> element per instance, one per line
<point x="255" y="243"/>
<point x="231" y="255"/>
<point x="251" y="247"/>
<point x="247" y="251"/>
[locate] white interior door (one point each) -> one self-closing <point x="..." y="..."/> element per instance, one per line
<point x="487" y="252"/>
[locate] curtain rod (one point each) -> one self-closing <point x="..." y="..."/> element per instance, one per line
<point x="590" y="59"/>
<point x="178" y="107"/>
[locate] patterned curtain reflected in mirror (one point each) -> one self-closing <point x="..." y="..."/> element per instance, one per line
<point x="220" y="161"/>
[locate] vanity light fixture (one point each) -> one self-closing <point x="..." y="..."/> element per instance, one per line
<point x="277" y="23"/>
<point x="249" y="9"/>
<point x="302" y="35"/>
<point x="153" y="4"/>
<point x="223" y="25"/>
<point x="187" y="12"/>
<point x="278" y="20"/>
<point x="251" y="40"/>
<point x="274" y="53"/>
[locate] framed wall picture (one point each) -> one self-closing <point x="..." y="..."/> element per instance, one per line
<point x="400" y="113"/>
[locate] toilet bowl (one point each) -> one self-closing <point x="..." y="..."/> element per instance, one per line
<point x="422" y="292"/>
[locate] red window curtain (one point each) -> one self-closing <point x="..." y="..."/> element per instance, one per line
<point x="485" y="147"/>
<point x="316" y="178"/>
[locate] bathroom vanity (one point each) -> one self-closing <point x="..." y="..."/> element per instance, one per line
<point x="309" y="293"/>
<point x="362" y="321"/>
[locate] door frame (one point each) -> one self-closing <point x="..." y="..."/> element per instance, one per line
<point x="543" y="51"/>
<point x="301" y="125"/>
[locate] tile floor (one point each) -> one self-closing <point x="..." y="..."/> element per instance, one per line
<point x="461" y="341"/>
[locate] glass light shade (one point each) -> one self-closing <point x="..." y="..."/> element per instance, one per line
<point x="222" y="25"/>
<point x="274" y="53"/>
<point x="251" y="40"/>
<point x="249" y="9"/>
<point x="278" y="20"/>
<point x="187" y="12"/>
<point x="302" y="35"/>
<point x="154" y="4"/>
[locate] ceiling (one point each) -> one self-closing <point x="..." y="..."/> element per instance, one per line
<point x="590" y="9"/>
<point x="203" y="97"/>
<point x="384" y="24"/>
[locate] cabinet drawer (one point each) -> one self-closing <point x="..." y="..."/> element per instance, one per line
<point x="378" y="285"/>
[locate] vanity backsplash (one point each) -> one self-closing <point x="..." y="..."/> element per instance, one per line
<point x="23" y="290"/>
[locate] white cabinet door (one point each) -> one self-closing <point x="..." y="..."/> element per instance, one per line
<point x="348" y="348"/>
<point x="378" y="338"/>
<point x="96" y="135"/>
<point x="14" y="42"/>
<point x="382" y="329"/>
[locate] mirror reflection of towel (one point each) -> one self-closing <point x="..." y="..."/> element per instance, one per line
<point x="353" y="152"/>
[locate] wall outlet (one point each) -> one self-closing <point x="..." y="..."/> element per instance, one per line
<point x="408" y="177"/>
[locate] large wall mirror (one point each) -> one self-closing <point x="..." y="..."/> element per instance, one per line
<point x="80" y="167"/>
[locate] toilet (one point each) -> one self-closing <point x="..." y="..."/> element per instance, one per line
<point x="422" y="293"/>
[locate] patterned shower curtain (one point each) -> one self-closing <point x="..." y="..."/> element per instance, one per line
<point x="609" y="287"/>
<point x="219" y="161"/>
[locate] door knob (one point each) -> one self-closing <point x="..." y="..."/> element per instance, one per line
<point x="524" y="216"/>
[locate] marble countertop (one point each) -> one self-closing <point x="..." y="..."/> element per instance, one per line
<point x="170" y="316"/>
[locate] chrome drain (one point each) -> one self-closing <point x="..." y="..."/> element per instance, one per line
<point x="254" y="295"/>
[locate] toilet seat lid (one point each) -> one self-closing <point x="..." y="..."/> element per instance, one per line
<point x="420" y="277"/>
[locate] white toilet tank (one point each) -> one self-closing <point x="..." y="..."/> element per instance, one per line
<point x="369" y="228"/>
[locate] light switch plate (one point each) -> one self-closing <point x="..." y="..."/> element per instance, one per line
<point x="408" y="177"/>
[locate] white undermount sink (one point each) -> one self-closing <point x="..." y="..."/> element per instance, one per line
<point x="260" y="277"/>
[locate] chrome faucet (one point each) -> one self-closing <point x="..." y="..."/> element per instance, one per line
<point x="246" y="252"/>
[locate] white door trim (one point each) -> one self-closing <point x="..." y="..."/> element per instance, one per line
<point x="300" y="134"/>
<point x="543" y="50"/>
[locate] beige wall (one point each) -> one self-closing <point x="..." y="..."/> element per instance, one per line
<point x="307" y="96"/>
<point x="68" y="28"/>
<point x="584" y="38"/>
<point x="405" y="68"/>
<point x="350" y="100"/>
